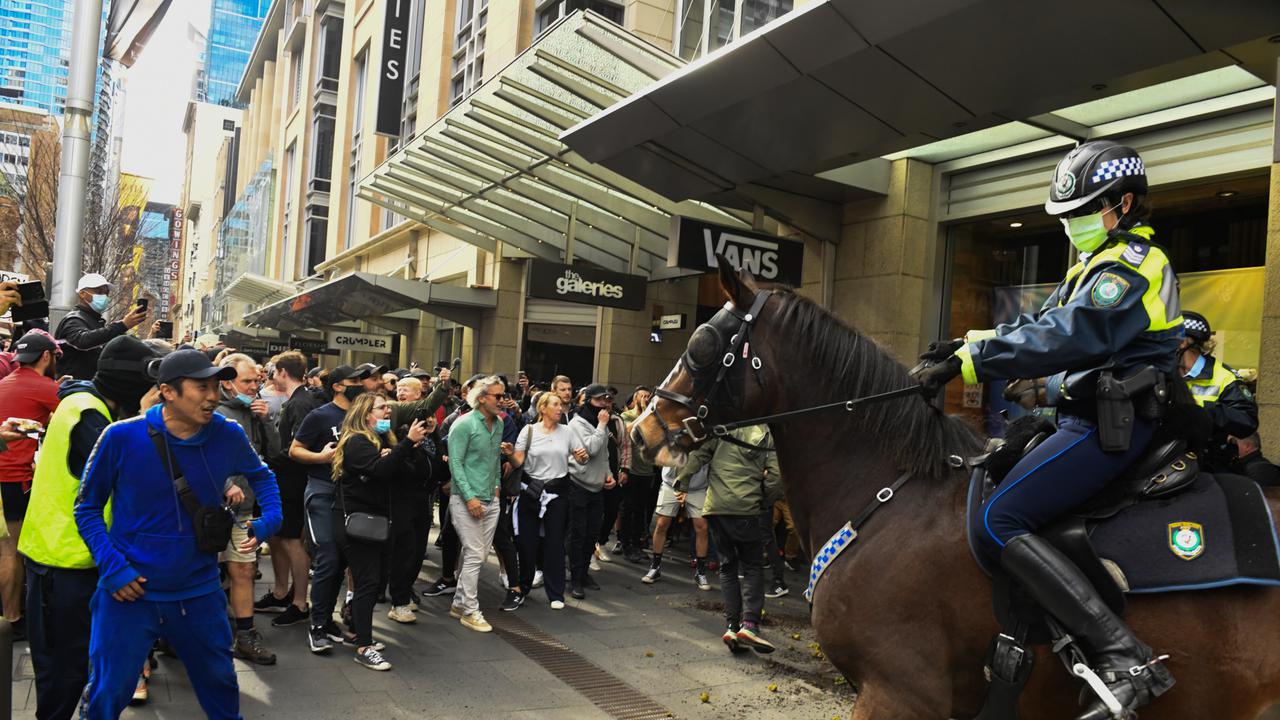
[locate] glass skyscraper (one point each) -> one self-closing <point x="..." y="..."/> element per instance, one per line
<point x="35" y="44"/>
<point x="233" y="28"/>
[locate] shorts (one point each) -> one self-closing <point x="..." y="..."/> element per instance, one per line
<point x="238" y="535"/>
<point x="15" y="500"/>
<point x="292" y="505"/>
<point x="693" y="502"/>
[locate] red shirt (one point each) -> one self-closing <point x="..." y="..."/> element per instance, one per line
<point x="25" y="394"/>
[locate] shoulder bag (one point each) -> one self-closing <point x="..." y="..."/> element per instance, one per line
<point x="212" y="524"/>
<point x="363" y="526"/>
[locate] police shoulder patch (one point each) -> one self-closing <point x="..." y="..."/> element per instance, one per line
<point x="1109" y="289"/>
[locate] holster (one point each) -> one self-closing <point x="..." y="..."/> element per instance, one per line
<point x="1117" y="411"/>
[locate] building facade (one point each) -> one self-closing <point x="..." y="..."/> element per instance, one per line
<point x="233" y="27"/>
<point x="435" y="171"/>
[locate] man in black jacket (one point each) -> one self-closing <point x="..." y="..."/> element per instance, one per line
<point x="1252" y="464"/>
<point x="85" y="331"/>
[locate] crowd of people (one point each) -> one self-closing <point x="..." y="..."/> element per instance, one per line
<point x="162" y="477"/>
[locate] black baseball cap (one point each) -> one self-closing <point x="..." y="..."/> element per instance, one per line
<point x="32" y="345"/>
<point x="371" y="369"/>
<point x="595" y="390"/>
<point x="192" y="364"/>
<point x="346" y="372"/>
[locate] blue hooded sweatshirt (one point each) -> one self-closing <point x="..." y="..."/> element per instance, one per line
<point x="151" y="534"/>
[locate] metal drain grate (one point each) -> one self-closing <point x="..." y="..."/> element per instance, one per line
<point x="604" y="690"/>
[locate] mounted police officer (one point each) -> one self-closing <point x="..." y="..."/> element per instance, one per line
<point x="1115" y="320"/>
<point x="1216" y="388"/>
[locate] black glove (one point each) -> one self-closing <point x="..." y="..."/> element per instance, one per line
<point x="942" y="349"/>
<point x="935" y="377"/>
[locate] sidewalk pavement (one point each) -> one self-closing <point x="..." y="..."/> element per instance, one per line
<point x="663" y="640"/>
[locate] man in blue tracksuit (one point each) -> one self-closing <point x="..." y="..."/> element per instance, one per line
<point x="153" y="579"/>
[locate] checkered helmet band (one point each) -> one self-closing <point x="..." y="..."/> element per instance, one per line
<point x="1195" y="327"/>
<point x="1116" y="168"/>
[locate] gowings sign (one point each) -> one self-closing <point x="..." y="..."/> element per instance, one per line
<point x="694" y="245"/>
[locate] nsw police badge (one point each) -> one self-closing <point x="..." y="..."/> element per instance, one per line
<point x="1109" y="289"/>
<point x="1186" y="539"/>
<point x="1064" y="184"/>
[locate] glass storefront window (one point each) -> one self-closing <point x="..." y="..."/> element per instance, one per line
<point x="1215" y="235"/>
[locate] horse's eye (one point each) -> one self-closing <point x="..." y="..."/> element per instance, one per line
<point x="703" y="348"/>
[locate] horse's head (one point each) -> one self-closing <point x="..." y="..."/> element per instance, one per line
<point x="719" y="377"/>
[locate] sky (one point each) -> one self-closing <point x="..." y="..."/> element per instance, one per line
<point x="157" y="89"/>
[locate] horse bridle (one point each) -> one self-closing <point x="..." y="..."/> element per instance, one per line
<point x="707" y="386"/>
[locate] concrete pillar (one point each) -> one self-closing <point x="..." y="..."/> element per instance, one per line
<point x="1269" y="357"/>
<point x="627" y="358"/>
<point x="880" y="282"/>
<point x="497" y="340"/>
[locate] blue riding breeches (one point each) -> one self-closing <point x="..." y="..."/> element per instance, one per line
<point x="1059" y="475"/>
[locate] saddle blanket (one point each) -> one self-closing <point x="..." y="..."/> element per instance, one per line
<point x="1216" y="533"/>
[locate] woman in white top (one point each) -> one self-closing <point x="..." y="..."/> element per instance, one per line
<point x="542" y="518"/>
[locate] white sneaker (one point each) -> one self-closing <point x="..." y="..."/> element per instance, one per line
<point x="476" y="622"/>
<point x="594" y="565"/>
<point x="537" y="579"/>
<point x="402" y="614"/>
<point x="602" y="554"/>
<point x="557" y="604"/>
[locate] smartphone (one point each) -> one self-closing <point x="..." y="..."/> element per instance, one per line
<point x="166" y="329"/>
<point x="34" y="303"/>
<point x="142" y="303"/>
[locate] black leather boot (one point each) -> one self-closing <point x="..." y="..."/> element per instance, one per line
<point x="1119" y="658"/>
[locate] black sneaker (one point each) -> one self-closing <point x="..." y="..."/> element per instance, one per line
<point x="337" y="634"/>
<point x="248" y="646"/>
<point x="634" y="555"/>
<point x="776" y="590"/>
<point x="513" y="601"/>
<point x="269" y="603"/>
<point x="291" y="616"/>
<point x="590" y="583"/>
<point x="372" y="659"/>
<point x="319" y="640"/>
<point x="577" y="591"/>
<point x="440" y="587"/>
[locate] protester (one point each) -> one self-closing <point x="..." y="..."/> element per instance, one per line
<point x="369" y="469"/>
<point x="29" y="393"/>
<point x="741" y="482"/>
<point x="671" y="503"/>
<point x="289" y="559"/>
<point x="61" y="576"/>
<point x="1252" y="464"/>
<point x="411" y="514"/>
<point x="542" y="517"/>
<point x="389" y="380"/>
<point x="590" y="426"/>
<point x="619" y="448"/>
<point x="239" y="403"/>
<point x="475" y="441"/>
<point x="158" y="577"/>
<point x="371" y="377"/>
<point x="562" y="386"/>
<point x="86" y="332"/>
<point x="640" y="479"/>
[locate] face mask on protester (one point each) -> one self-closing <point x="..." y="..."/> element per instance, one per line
<point x="245" y="400"/>
<point x="382" y="426"/>
<point x="353" y="392"/>
<point x="99" y="303"/>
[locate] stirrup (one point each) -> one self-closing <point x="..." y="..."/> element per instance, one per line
<point x="1100" y="689"/>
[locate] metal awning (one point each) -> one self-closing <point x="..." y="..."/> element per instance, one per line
<point x="492" y="169"/>
<point x="841" y="81"/>
<point x="256" y="289"/>
<point x="378" y="299"/>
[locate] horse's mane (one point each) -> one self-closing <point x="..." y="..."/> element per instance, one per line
<point x="915" y="435"/>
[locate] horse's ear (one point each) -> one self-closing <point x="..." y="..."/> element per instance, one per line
<point x="738" y="285"/>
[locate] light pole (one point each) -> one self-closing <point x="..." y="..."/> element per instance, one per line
<point x="69" y="238"/>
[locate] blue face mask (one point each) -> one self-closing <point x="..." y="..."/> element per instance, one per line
<point x="245" y="400"/>
<point x="382" y="426"/>
<point x="99" y="303"/>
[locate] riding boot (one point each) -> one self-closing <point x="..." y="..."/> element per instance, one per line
<point x="1120" y="659"/>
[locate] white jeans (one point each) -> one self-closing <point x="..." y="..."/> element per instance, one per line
<point x="475" y="536"/>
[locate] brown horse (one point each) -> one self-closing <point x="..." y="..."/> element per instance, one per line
<point x="905" y="613"/>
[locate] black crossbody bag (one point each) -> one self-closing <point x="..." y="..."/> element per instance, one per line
<point x="363" y="526"/>
<point x="212" y="524"/>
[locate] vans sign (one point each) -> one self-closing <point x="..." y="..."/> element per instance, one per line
<point x="694" y="245"/>
<point x="585" y="285"/>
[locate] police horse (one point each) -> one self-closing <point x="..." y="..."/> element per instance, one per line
<point x="901" y="607"/>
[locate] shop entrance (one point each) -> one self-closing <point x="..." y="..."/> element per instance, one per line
<point x="559" y="339"/>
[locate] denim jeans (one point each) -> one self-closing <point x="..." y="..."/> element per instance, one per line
<point x="586" y="510"/>
<point x="738" y="545"/>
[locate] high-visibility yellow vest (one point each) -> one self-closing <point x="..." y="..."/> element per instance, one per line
<point x="1161" y="298"/>
<point x="1208" y="390"/>
<point x="50" y="536"/>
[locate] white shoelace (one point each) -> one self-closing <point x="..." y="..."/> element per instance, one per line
<point x="374" y="656"/>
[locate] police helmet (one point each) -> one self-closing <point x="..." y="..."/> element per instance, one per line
<point x="1196" y="326"/>
<point x="1091" y="170"/>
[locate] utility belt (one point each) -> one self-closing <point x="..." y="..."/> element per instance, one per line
<point x="1115" y="403"/>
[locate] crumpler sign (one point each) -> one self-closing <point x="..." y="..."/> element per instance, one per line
<point x="588" y="286"/>
<point x="360" y="341"/>
<point x="395" y="36"/>
<point x="694" y="245"/>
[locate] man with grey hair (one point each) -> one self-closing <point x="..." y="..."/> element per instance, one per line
<point x="474" y="444"/>
<point x="240" y="402"/>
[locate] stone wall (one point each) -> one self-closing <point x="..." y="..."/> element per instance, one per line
<point x="1269" y="357"/>
<point x="627" y="358"/>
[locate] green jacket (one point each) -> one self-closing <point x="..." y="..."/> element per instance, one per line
<point x="638" y="464"/>
<point x="473" y="456"/>
<point x="741" y="481"/>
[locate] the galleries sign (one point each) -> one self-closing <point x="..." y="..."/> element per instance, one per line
<point x="588" y="286"/>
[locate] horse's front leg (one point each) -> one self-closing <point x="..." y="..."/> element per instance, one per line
<point x="899" y="701"/>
